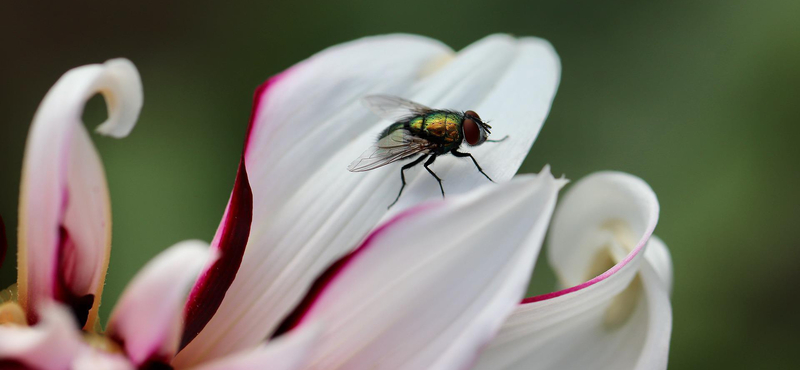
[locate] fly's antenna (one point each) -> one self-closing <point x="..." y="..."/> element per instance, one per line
<point x="486" y="126"/>
<point x="498" y="140"/>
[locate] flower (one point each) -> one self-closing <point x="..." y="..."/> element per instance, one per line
<point x="341" y="282"/>
<point x="64" y="245"/>
<point x="308" y="124"/>
<point x="615" y="312"/>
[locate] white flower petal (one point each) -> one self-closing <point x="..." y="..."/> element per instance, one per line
<point x="300" y="118"/>
<point x="568" y="336"/>
<point x="64" y="212"/>
<point x="288" y="352"/>
<point x="432" y="286"/>
<point x="657" y="255"/>
<point x="147" y="318"/>
<point x="573" y="331"/>
<point x="50" y="344"/>
<point x="655" y="350"/>
<point x="619" y="319"/>
<point x="309" y="125"/>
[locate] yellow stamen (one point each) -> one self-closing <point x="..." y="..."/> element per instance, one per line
<point x="101" y="342"/>
<point x="11" y="314"/>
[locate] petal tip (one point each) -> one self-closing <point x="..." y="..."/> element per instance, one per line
<point x="122" y="89"/>
<point x="547" y="172"/>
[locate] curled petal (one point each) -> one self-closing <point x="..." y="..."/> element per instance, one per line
<point x="619" y="319"/>
<point x="308" y="124"/>
<point x="147" y="319"/>
<point x="604" y="218"/>
<point x="289" y="352"/>
<point x="64" y="211"/>
<point x="429" y="288"/>
<point x="50" y="344"/>
<point x="655" y="349"/>
<point x="657" y="255"/>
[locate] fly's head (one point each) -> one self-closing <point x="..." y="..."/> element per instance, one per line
<point x="475" y="130"/>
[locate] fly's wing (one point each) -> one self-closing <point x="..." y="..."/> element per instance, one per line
<point x="397" y="145"/>
<point x="392" y="107"/>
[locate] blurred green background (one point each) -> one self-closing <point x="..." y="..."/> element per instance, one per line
<point x="700" y="99"/>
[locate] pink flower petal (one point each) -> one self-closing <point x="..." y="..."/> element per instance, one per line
<point x="289" y="352"/>
<point x="308" y="124"/>
<point x="229" y="244"/>
<point x="620" y="319"/>
<point x="64" y="213"/>
<point x="431" y="287"/>
<point x="147" y="318"/>
<point x="50" y="344"/>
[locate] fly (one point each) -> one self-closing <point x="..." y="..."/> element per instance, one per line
<point x="420" y="132"/>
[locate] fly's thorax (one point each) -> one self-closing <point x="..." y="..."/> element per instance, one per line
<point x="416" y="124"/>
<point x="442" y="125"/>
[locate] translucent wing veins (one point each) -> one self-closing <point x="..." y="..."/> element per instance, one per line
<point x="393" y="107"/>
<point x="397" y="145"/>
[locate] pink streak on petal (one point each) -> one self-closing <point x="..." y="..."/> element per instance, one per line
<point x="337" y="268"/>
<point x="79" y="304"/>
<point x="231" y="239"/>
<point x="230" y="243"/>
<point x="596" y="279"/>
<point x="13" y="365"/>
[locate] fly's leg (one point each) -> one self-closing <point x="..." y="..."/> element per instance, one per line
<point x="428" y="163"/>
<point x="403" y="177"/>
<point x="456" y="153"/>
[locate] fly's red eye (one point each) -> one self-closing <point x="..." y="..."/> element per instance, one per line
<point x="472" y="113"/>
<point x="472" y="133"/>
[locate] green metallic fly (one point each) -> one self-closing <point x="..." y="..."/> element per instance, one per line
<point x="421" y="131"/>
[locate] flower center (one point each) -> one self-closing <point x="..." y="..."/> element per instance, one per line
<point x="619" y="243"/>
<point x="101" y="342"/>
<point x="11" y="313"/>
